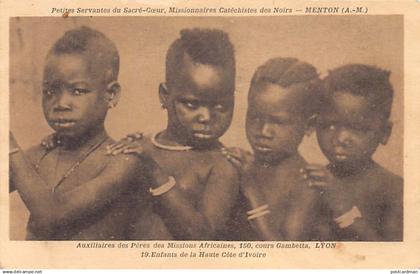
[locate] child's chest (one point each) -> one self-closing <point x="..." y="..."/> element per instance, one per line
<point x="278" y="186"/>
<point x="65" y="170"/>
<point x="368" y="196"/>
<point x="191" y="170"/>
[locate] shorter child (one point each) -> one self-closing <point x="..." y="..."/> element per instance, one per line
<point x="275" y="200"/>
<point x="363" y="200"/>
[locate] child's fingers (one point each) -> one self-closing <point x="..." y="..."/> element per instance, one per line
<point x="133" y="150"/>
<point x="234" y="160"/>
<point x="119" y="144"/>
<point x="135" y="136"/>
<point x="319" y="184"/>
<point x="310" y="167"/>
<point x="113" y="145"/>
<point x="234" y="152"/>
<point x="315" y="175"/>
<point x="117" y="148"/>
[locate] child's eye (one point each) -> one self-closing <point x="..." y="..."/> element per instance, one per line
<point x="80" y="91"/>
<point x="49" y="91"/>
<point x="332" y="127"/>
<point x="220" y="107"/>
<point x="191" y="105"/>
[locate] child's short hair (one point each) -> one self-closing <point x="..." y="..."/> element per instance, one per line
<point x="286" y="72"/>
<point x="203" y="46"/>
<point x="84" y="40"/>
<point x="363" y="80"/>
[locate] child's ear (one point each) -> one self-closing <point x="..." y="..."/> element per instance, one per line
<point x="387" y="130"/>
<point x="113" y="93"/>
<point x="163" y="94"/>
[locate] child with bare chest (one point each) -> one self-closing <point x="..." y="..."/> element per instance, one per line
<point x="363" y="201"/>
<point x="193" y="185"/>
<point x="276" y="201"/>
<point x="71" y="188"/>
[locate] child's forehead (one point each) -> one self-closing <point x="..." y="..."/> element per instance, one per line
<point x="276" y="96"/>
<point x="205" y="76"/>
<point x="346" y="106"/>
<point x="347" y="102"/>
<point x="72" y="65"/>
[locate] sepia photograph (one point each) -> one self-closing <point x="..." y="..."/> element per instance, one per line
<point x="217" y="128"/>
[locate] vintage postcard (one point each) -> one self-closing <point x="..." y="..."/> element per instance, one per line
<point x="227" y="134"/>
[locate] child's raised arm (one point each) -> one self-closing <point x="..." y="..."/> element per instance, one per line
<point x="50" y="209"/>
<point x="258" y="211"/>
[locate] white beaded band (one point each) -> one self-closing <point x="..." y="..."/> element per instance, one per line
<point x="258" y="209"/>
<point x="347" y="219"/>
<point x="163" y="188"/>
<point x="258" y="214"/>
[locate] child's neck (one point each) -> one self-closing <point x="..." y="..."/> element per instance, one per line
<point x="344" y="170"/>
<point x="273" y="162"/>
<point x="172" y="137"/>
<point x="77" y="142"/>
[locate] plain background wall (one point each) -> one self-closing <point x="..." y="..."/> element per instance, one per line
<point x="324" y="41"/>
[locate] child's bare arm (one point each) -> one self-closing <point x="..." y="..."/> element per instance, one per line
<point x="211" y="215"/>
<point x="257" y="207"/>
<point x="176" y="208"/>
<point x="301" y="217"/>
<point x="50" y="209"/>
<point x="258" y="212"/>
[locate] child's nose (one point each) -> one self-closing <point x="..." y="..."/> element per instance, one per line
<point x="63" y="102"/>
<point x="204" y="115"/>
<point x="265" y="130"/>
<point x="343" y="136"/>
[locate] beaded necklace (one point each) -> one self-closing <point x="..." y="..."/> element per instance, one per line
<point x="83" y="157"/>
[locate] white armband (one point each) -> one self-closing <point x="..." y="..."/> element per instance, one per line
<point x="163" y="188"/>
<point x="258" y="212"/>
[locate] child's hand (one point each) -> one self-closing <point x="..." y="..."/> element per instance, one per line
<point x="241" y="159"/>
<point x="333" y="191"/>
<point x="135" y="143"/>
<point x="318" y="176"/>
<point x="132" y="143"/>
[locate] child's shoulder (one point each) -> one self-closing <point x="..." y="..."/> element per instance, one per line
<point x="393" y="184"/>
<point x="217" y="162"/>
<point x="387" y="176"/>
<point x="35" y="152"/>
<point x="384" y="181"/>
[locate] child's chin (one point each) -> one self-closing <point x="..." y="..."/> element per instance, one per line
<point x="69" y="134"/>
<point x="269" y="156"/>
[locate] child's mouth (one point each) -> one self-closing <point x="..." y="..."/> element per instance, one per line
<point x="63" y="123"/>
<point x="341" y="156"/>
<point x="205" y="135"/>
<point x="261" y="148"/>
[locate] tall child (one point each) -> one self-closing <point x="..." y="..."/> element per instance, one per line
<point x="72" y="189"/>
<point x="194" y="186"/>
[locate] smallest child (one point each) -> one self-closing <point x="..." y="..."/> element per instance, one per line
<point x="364" y="201"/>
